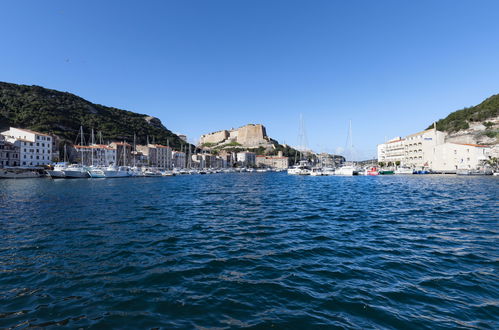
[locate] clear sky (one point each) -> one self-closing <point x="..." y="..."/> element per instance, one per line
<point x="392" y="67"/>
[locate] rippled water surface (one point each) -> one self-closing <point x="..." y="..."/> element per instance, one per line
<point x="244" y="250"/>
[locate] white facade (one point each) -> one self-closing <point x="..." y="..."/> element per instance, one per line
<point x="392" y="151"/>
<point x="420" y="148"/>
<point x="450" y="157"/>
<point x="246" y="158"/>
<point x="35" y="149"/>
<point x="428" y="149"/>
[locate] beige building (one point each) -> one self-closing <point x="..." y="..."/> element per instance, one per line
<point x="123" y="153"/>
<point x="278" y="162"/>
<point x="450" y="157"/>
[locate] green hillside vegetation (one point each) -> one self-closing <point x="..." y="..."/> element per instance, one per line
<point x="459" y="120"/>
<point x="60" y="113"/>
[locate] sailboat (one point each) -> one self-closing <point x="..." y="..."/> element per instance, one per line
<point x="349" y="168"/>
<point x="58" y="170"/>
<point x="77" y="170"/>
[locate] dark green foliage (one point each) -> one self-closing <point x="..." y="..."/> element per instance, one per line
<point x="459" y="120"/>
<point x="62" y="114"/>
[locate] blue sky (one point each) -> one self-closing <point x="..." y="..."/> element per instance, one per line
<point x="392" y="67"/>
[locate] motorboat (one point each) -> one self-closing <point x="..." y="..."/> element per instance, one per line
<point x="317" y="171"/>
<point x="76" y="171"/>
<point x="346" y="170"/>
<point x="110" y="172"/>
<point x="58" y="171"/>
<point x="404" y="170"/>
<point x="19" y="173"/>
<point x="372" y="171"/>
<point x="302" y="168"/>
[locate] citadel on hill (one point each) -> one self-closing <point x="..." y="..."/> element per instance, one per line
<point x="248" y="136"/>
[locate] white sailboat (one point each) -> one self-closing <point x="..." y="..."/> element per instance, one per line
<point x="77" y="170"/>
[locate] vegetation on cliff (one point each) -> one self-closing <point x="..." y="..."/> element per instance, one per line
<point x="460" y="120"/>
<point x="62" y="114"/>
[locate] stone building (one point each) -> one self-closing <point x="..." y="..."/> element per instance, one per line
<point x="123" y="153"/>
<point x="277" y="162"/>
<point x="9" y="153"/>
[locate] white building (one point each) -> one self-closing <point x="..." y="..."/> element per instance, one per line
<point x="178" y="159"/>
<point x="428" y="149"/>
<point x="246" y="158"/>
<point x="35" y="148"/>
<point x="392" y="151"/>
<point x="450" y="157"/>
<point x="419" y="148"/>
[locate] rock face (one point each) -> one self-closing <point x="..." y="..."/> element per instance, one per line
<point x="477" y="133"/>
<point x="249" y="136"/>
<point x="154" y="122"/>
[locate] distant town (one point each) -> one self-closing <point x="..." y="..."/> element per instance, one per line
<point x="424" y="152"/>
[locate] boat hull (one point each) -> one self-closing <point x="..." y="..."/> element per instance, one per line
<point x="75" y="174"/>
<point x="18" y="174"/>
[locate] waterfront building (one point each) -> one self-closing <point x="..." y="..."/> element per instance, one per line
<point x="429" y="149"/>
<point x="451" y="157"/>
<point x="392" y="151"/>
<point x="277" y="162"/>
<point x="419" y="148"/>
<point x="96" y="154"/>
<point x="178" y="159"/>
<point x="35" y="148"/>
<point x="150" y="153"/>
<point x="246" y="158"/>
<point x="9" y="153"/>
<point x="164" y="156"/>
<point x="123" y="152"/>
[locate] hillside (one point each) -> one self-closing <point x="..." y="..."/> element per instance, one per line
<point x="479" y="123"/>
<point x="62" y="114"/>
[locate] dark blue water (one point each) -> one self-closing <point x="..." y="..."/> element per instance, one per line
<point x="250" y="250"/>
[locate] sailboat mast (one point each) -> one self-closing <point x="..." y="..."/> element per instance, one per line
<point x="92" y="144"/>
<point x="134" y="149"/>
<point x="81" y="144"/>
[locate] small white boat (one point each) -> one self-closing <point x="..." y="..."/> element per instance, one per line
<point x="58" y="171"/>
<point x="496" y="173"/>
<point x="317" y="171"/>
<point x="19" y="173"/>
<point x="76" y="171"/>
<point x="302" y="168"/>
<point x="110" y="172"/>
<point x="404" y="170"/>
<point x="347" y="170"/>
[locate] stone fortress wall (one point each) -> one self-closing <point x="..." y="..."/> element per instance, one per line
<point x="251" y="136"/>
